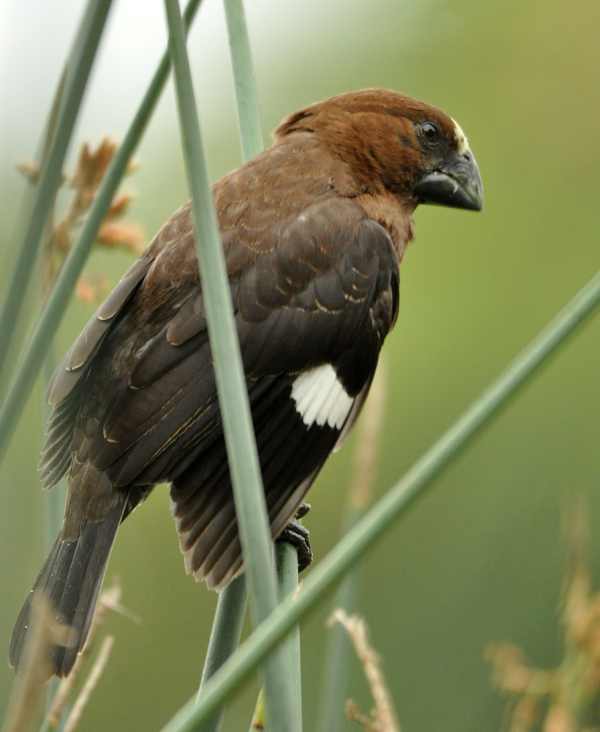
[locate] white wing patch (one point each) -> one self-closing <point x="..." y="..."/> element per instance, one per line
<point x="321" y="398"/>
<point x="461" y="139"/>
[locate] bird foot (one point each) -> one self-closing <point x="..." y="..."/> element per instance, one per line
<point x="298" y="536"/>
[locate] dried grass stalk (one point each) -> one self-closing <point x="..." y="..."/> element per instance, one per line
<point x="566" y="698"/>
<point x="383" y="718"/>
<point x="109" y="600"/>
<point x="90" y="684"/>
<point x="366" y="452"/>
<point x="35" y="668"/>
<point x="84" y="183"/>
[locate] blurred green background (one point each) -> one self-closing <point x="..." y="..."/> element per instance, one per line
<point x="481" y="558"/>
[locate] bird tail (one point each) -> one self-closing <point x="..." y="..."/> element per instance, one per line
<point x="70" y="580"/>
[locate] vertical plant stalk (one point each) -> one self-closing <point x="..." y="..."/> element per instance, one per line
<point x="338" y="655"/>
<point x="255" y="535"/>
<point x="286" y="558"/>
<point x="56" y="306"/>
<point x="244" y="78"/>
<point x="227" y="624"/>
<point x="399" y="499"/>
<point x="54" y="502"/>
<point x="246" y="93"/>
<point x="252" y="144"/>
<point x="287" y="574"/>
<point x="224" y="638"/>
<point x="25" y="214"/>
<point x="79" y="67"/>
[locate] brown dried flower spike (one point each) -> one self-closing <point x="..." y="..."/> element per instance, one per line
<point x="566" y="698"/>
<point x="90" y="170"/>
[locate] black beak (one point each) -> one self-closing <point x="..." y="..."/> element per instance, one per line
<point x="456" y="183"/>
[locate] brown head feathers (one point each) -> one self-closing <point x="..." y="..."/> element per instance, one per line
<point x="377" y="132"/>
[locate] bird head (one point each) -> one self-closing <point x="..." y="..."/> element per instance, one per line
<point x="396" y="143"/>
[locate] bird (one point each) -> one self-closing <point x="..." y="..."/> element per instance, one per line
<point x="313" y="231"/>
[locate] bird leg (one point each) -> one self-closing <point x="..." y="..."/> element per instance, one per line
<point x="298" y="536"/>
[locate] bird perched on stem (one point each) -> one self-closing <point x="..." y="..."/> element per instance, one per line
<point x="313" y="231"/>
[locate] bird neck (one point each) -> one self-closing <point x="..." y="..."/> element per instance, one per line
<point x="394" y="215"/>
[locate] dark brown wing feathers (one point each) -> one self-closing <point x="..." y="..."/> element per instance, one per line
<point x="63" y="393"/>
<point x="91" y="337"/>
<point x="314" y="284"/>
<point x="313" y="298"/>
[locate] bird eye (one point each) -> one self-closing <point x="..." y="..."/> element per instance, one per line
<point x="430" y="131"/>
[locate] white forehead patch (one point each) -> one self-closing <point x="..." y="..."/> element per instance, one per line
<point x="461" y="139"/>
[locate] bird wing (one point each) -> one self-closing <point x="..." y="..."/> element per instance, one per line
<point x="311" y="315"/>
<point x="64" y="390"/>
<point x="311" y="318"/>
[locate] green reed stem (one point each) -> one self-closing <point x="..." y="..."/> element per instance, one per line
<point x="232" y="601"/>
<point x="56" y="306"/>
<point x="395" y="503"/>
<point x="244" y="78"/>
<point x="338" y="652"/>
<point x="224" y="638"/>
<point x="81" y="60"/>
<point x="244" y="467"/>
<point x="286" y="558"/>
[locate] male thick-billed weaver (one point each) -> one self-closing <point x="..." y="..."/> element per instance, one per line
<point x="313" y="230"/>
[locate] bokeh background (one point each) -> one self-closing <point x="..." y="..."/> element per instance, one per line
<point x="481" y="558"/>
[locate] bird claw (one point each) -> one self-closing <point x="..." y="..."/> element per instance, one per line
<point x="303" y="509"/>
<point x="299" y="537"/>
